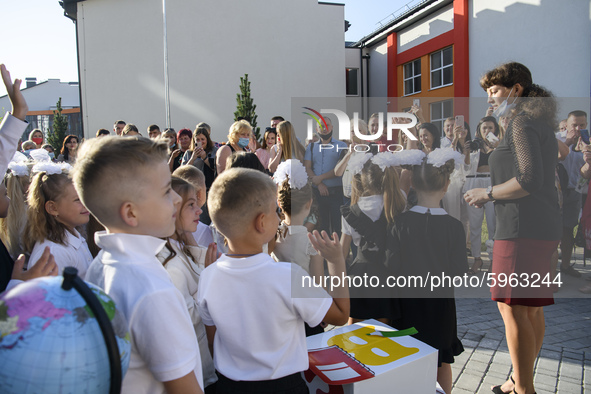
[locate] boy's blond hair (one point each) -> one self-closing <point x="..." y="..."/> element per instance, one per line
<point x="110" y="171"/>
<point x="236" y="197"/>
<point x="191" y="174"/>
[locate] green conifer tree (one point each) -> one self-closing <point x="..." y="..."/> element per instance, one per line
<point x="56" y="136"/>
<point x="246" y="108"/>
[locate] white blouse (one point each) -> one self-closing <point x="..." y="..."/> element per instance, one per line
<point x="74" y="253"/>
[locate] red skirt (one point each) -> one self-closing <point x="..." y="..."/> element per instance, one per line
<point x="521" y="272"/>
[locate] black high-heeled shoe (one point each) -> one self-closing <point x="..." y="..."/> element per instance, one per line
<point x="497" y="389"/>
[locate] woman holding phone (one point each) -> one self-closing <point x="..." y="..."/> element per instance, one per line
<point x="263" y="153"/>
<point x="202" y="154"/>
<point x="487" y="138"/>
<point x="528" y="225"/>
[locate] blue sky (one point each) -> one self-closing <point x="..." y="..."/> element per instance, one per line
<point x="39" y="41"/>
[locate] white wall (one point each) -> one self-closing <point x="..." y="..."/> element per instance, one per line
<point x="44" y="96"/>
<point x="352" y="58"/>
<point x="435" y="24"/>
<point x="289" y="49"/>
<point x="378" y="76"/>
<point x="552" y="38"/>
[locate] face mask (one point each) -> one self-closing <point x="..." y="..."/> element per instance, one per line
<point x="52" y="155"/>
<point x="243" y="142"/>
<point x="504" y="109"/>
<point x="325" y="137"/>
<point x="37" y="140"/>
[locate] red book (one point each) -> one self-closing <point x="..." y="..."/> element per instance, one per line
<point x="337" y="367"/>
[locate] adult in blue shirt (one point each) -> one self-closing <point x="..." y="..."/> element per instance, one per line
<point x="320" y="160"/>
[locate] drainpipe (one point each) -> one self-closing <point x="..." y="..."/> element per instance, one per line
<point x="366" y="58"/>
<point x="166" y="86"/>
<point x="79" y="79"/>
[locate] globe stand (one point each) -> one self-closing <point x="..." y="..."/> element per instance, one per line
<point x="71" y="279"/>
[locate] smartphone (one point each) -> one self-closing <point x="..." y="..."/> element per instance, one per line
<point x="416" y="102"/>
<point x="585" y="136"/>
<point x="198" y="144"/>
<point x="492" y="138"/>
<point x="459" y="120"/>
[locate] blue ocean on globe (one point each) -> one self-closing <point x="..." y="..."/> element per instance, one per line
<point x="50" y="341"/>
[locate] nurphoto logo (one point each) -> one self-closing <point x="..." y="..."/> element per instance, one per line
<point x="344" y="124"/>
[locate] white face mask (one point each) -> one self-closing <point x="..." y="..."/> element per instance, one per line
<point x="505" y="108"/>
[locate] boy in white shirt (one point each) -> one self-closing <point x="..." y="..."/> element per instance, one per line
<point x="125" y="184"/>
<point x="254" y="324"/>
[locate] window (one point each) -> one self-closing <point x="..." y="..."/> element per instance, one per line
<point x="440" y="111"/>
<point x="412" y="77"/>
<point x="352" y="81"/>
<point x="442" y="68"/>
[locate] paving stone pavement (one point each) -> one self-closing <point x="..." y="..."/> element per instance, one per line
<point x="564" y="363"/>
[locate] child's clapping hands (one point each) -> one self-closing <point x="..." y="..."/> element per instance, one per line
<point x="328" y="248"/>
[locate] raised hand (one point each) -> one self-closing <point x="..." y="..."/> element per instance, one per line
<point x="176" y="153"/>
<point x="19" y="105"/>
<point x="328" y="248"/>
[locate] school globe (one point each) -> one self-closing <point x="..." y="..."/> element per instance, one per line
<point x="50" y="340"/>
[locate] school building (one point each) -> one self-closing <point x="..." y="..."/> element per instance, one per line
<point x="42" y="98"/>
<point x="182" y="63"/>
<point x="437" y="50"/>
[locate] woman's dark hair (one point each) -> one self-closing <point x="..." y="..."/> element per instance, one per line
<point x="507" y="75"/>
<point x="200" y="130"/>
<point x="540" y="104"/>
<point x="434" y="131"/>
<point x="65" y="151"/>
<point x="244" y="160"/>
<point x="270" y="130"/>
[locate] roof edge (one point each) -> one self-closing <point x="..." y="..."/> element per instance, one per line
<point x="413" y="11"/>
<point x="327" y="3"/>
<point x="70" y="8"/>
